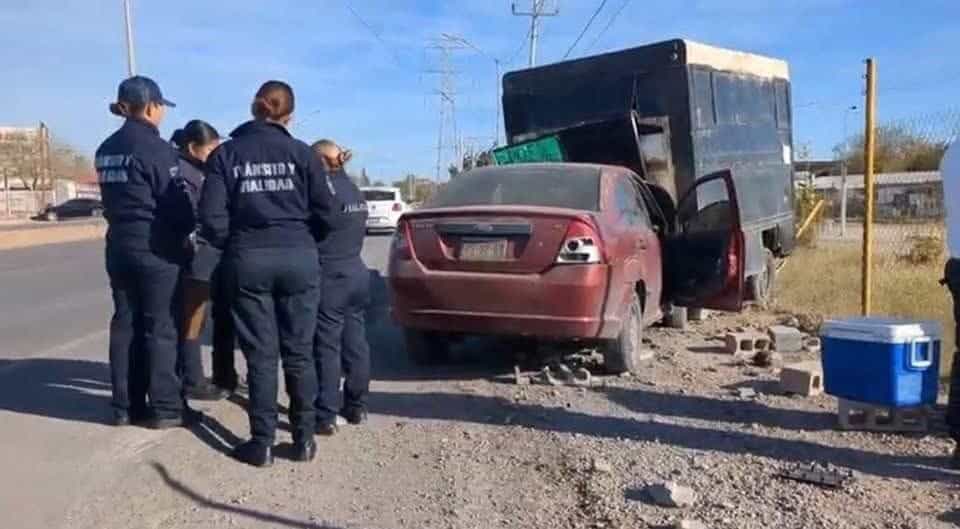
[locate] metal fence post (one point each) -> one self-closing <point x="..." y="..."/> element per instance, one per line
<point x="868" y="191"/>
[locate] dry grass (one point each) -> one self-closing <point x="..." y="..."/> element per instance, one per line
<point x="53" y="234"/>
<point x="825" y="280"/>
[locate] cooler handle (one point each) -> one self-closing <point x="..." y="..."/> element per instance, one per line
<point x="921" y="357"/>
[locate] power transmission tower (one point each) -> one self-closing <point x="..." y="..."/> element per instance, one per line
<point x="446" y="91"/>
<point x="536" y="11"/>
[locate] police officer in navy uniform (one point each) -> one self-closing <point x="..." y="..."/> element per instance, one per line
<point x="194" y="142"/>
<point x="261" y="191"/>
<point x="340" y="344"/>
<point x="148" y="217"/>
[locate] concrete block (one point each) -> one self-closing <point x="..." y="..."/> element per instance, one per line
<point x="786" y="339"/>
<point x="746" y="344"/>
<point x="804" y="378"/>
<point x="864" y="416"/>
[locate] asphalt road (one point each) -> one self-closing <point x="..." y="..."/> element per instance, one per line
<point x="54" y="381"/>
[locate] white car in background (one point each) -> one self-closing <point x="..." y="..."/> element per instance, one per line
<point x="384" y="206"/>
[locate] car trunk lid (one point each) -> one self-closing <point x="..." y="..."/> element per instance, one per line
<point x="490" y="239"/>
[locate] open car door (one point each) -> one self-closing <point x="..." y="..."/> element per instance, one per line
<point x="705" y="258"/>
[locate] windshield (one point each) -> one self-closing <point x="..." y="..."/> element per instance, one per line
<point x="547" y="185"/>
<point x="374" y="195"/>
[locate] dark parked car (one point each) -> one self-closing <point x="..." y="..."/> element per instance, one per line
<point x="74" y="208"/>
<point x="562" y="251"/>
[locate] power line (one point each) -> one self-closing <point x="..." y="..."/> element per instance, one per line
<point x="609" y="25"/>
<point x="586" y="27"/>
<point x="376" y="34"/>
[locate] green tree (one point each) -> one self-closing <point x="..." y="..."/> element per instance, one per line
<point x="897" y="149"/>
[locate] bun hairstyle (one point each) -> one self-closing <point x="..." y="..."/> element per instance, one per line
<point x="196" y="132"/>
<point x="274" y="101"/>
<point x="126" y="110"/>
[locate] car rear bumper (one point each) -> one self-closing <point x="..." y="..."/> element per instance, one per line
<point x="381" y="223"/>
<point x="565" y="302"/>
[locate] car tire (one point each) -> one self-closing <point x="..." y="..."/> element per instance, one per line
<point x="762" y="284"/>
<point x="625" y="353"/>
<point x="96" y="213"/>
<point x="426" y="348"/>
<point x="51" y="216"/>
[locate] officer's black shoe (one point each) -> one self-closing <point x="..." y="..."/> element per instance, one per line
<point x="255" y="453"/>
<point x="121" y="418"/>
<point x="186" y="420"/>
<point x="326" y="428"/>
<point x="206" y="391"/>
<point x="305" y="451"/>
<point x="354" y="416"/>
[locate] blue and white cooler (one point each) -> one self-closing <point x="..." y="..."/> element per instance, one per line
<point x="886" y="362"/>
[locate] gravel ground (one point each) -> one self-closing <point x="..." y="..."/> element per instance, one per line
<point x="462" y="446"/>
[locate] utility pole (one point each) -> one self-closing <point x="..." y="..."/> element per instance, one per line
<point x="536" y="11"/>
<point x="446" y="91"/>
<point x="128" y="23"/>
<point x="869" y="136"/>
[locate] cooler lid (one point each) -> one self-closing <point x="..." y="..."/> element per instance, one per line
<point x="883" y="330"/>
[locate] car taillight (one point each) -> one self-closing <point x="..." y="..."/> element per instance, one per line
<point x="734" y="249"/>
<point x="581" y="245"/>
<point x="401" y="242"/>
<point x="397" y="206"/>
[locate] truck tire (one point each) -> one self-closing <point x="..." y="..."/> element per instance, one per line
<point x="426" y="348"/>
<point x="762" y="284"/>
<point x="677" y="317"/>
<point x="625" y="353"/>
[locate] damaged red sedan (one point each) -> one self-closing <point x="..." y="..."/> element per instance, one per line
<point x="565" y="252"/>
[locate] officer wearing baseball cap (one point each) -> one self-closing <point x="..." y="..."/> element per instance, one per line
<point x="262" y="189"/>
<point x="148" y="216"/>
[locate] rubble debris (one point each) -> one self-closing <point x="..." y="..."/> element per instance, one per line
<point x="768" y="359"/>
<point x="671" y="494"/>
<point x="828" y="477"/>
<point x="580" y="377"/>
<point x="601" y="466"/>
<point x="518" y="377"/>
<point x="871" y="417"/>
<point x="786" y="339"/>
<point x="812" y="344"/>
<point x="689" y="524"/>
<point x="803" y="378"/>
<point x="745" y="343"/>
<point x="746" y="393"/>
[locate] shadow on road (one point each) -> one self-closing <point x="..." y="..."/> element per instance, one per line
<point x="497" y="411"/>
<point x="208" y="503"/>
<point x="71" y="390"/>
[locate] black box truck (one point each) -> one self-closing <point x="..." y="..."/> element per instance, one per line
<point x="674" y="111"/>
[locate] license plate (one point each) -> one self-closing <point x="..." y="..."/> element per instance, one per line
<point x="484" y="251"/>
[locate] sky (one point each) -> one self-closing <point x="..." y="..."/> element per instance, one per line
<point x="361" y="68"/>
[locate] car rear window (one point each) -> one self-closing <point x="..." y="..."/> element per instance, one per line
<point x="556" y="186"/>
<point x="372" y="195"/>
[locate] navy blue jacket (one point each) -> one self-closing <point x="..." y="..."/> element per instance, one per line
<point x="341" y="233"/>
<point x="141" y="189"/>
<point x="192" y="171"/>
<point x="262" y="189"/>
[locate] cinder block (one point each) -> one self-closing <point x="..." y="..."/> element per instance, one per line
<point x="804" y="378"/>
<point x="746" y="344"/>
<point x="864" y="416"/>
<point x="786" y="339"/>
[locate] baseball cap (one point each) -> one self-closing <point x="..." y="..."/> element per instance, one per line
<point x="140" y="90"/>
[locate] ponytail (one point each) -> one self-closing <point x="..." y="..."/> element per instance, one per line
<point x="126" y="110"/>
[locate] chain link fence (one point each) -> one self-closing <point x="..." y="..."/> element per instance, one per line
<point x="909" y="245"/>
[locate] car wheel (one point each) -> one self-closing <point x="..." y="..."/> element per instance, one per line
<point x="96" y="213"/>
<point x="626" y="353"/>
<point x="427" y="348"/>
<point x="51" y="216"/>
<point x="761" y="285"/>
